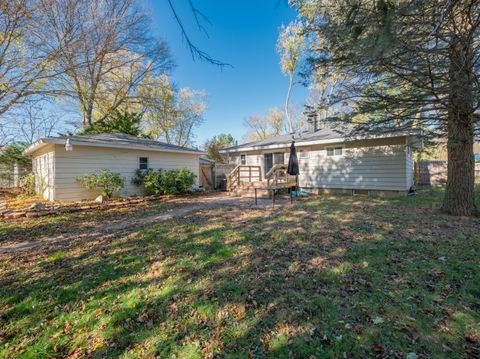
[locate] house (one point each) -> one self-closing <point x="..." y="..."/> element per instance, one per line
<point x="59" y="161"/>
<point x="331" y="161"/>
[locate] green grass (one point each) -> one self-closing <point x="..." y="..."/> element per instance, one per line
<point x="69" y="223"/>
<point x="331" y="277"/>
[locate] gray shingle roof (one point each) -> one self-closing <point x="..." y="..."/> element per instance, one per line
<point x="342" y="133"/>
<point x="326" y="133"/>
<point x="206" y="161"/>
<point x="120" y="140"/>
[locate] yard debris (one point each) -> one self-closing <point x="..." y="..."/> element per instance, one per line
<point x="307" y="281"/>
<point x="15" y="215"/>
<point x="100" y="199"/>
<point x="36" y="206"/>
<point x="38" y="209"/>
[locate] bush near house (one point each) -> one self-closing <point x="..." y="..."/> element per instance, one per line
<point x="139" y="178"/>
<point x="169" y="181"/>
<point x="105" y="180"/>
<point x="28" y="184"/>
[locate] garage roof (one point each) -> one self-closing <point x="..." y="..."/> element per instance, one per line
<point x="111" y="140"/>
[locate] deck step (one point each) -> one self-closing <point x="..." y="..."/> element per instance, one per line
<point x="250" y="192"/>
<point x="247" y="189"/>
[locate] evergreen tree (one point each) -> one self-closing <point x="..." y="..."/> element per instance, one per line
<point x="409" y="64"/>
<point x="121" y="122"/>
<point x="216" y="143"/>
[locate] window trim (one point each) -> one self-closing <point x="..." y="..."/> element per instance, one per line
<point x="303" y="154"/>
<point x="278" y="153"/>
<point x="273" y="159"/>
<point x="334" y="148"/>
<point x="148" y="163"/>
<point x="245" y="156"/>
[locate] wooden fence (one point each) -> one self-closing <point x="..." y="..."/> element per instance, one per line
<point x="10" y="177"/>
<point x="434" y="173"/>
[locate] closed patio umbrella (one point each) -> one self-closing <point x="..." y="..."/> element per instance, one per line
<point x="292" y="169"/>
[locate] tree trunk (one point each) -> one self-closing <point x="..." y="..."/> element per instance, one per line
<point x="287" y="101"/>
<point x="459" y="197"/>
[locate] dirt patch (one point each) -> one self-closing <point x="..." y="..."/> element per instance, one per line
<point x="181" y="207"/>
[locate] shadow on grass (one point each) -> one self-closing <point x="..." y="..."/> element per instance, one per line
<point x="68" y="223"/>
<point x="328" y="277"/>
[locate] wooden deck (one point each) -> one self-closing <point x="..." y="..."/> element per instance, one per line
<point x="273" y="189"/>
<point x="246" y="181"/>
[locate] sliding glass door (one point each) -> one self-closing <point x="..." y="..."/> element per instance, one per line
<point x="270" y="159"/>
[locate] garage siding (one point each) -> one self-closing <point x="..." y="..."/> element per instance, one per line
<point x="70" y="165"/>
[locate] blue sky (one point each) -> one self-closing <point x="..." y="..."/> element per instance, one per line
<point x="242" y="33"/>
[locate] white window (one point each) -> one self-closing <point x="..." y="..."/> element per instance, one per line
<point x="334" y="151"/>
<point x="304" y="155"/>
<point x="232" y="160"/>
<point x="243" y="159"/>
<point x="143" y="163"/>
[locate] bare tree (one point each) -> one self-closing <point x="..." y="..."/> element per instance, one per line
<point x="274" y="123"/>
<point x="106" y="52"/>
<point x="33" y="121"/>
<point x="172" y="114"/>
<point x="199" y="17"/>
<point x="257" y="128"/>
<point x="25" y="66"/>
<point x="290" y="47"/>
<point x="6" y="136"/>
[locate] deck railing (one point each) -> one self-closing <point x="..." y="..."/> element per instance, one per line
<point x="243" y="173"/>
<point x="278" y="175"/>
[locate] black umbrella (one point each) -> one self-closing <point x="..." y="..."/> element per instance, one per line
<point x="293" y="161"/>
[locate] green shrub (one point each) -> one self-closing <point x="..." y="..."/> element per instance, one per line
<point x="28" y="184"/>
<point x="139" y="178"/>
<point x="184" y="180"/>
<point x="167" y="182"/>
<point x="105" y="180"/>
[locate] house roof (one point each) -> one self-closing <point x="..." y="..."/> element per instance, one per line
<point x="206" y="161"/>
<point x="323" y="136"/>
<point x="111" y="140"/>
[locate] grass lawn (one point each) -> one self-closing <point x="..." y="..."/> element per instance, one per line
<point x="332" y="277"/>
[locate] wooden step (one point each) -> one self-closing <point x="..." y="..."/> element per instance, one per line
<point x="250" y="192"/>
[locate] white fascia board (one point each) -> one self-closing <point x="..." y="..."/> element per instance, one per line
<point x="41" y="143"/>
<point x="34" y="147"/>
<point x="269" y="147"/>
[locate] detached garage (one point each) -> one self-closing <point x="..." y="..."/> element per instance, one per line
<point x="59" y="161"/>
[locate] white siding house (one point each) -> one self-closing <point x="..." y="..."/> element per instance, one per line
<point x="329" y="160"/>
<point x="57" y="168"/>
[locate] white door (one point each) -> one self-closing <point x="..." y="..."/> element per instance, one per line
<point x="43" y="169"/>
